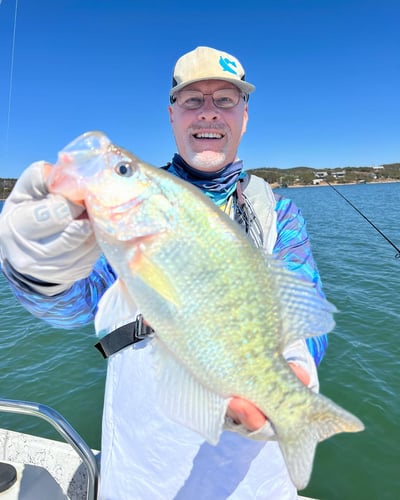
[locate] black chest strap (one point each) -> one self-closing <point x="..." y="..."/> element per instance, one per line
<point x="123" y="337"/>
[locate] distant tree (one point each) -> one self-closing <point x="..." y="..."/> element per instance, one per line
<point x="6" y="186"/>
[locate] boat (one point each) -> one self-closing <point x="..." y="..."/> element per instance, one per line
<point x="37" y="468"/>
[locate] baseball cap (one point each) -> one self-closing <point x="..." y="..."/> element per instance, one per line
<point x="205" y="63"/>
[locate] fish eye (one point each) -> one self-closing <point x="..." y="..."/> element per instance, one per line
<point x="124" y="169"/>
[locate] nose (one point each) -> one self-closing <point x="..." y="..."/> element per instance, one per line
<point x="208" y="110"/>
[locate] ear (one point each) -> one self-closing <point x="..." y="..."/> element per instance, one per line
<point x="245" y="119"/>
<point x="171" y="114"/>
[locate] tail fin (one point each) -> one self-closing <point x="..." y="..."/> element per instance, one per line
<point x="298" y="444"/>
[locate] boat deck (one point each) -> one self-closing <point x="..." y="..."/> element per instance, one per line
<point x="46" y="469"/>
<point x="50" y="467"/>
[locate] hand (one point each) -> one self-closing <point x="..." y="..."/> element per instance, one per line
<point x="45" y="237"/>
<point x="243" y="412"/>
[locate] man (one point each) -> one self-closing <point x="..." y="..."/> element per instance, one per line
<point x="52" y="262"/>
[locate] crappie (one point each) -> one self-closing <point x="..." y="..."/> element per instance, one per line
<point x="223" y="311"/>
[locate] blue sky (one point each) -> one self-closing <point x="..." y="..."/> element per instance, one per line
<point x="327" y="74"/>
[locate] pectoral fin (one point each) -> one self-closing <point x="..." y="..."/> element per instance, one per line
<point x="155" y="278"/>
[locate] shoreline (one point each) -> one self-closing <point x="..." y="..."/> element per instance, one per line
<point x="276" y="185"/>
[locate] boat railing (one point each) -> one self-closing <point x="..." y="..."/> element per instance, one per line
<point x="64" y="428"/>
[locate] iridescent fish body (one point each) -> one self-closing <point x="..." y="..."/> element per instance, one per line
<point x="222" y="310"/>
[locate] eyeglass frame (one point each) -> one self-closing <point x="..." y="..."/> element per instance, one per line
<point x="173" y="98"/>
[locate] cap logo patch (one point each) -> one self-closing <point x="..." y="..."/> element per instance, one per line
<point x="226" y="64"/>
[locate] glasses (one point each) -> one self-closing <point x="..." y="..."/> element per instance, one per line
<point x="194" y="99"/>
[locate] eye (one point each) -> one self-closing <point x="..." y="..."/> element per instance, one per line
<point x="193" y="102"/>
<point x="124" y="169"/>
<point x="224" y="102"/>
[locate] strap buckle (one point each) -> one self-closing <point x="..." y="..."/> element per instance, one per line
<point x="140" y="330"/>
<point x="124" y="336"/>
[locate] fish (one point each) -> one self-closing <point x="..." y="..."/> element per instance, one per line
<point x="222" y="310"/>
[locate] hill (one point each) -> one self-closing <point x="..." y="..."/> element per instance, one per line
<point x="296" y="176"/>
<point x="303" y="176"/>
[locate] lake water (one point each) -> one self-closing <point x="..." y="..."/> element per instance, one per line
<point x="361" y="370"/>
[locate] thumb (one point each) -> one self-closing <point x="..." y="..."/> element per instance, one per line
<point x="31" y="185"/>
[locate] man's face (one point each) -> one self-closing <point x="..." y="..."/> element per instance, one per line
<point x="207" y="138"/>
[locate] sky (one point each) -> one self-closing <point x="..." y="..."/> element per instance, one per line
<point x="327" y="76"/>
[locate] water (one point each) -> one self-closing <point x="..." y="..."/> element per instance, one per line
<point x="360" y="370"/>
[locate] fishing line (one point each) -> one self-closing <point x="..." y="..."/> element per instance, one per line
<point x="11" y="75"/>
<point x="397" y="256"/>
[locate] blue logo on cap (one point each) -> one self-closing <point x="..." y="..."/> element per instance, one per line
<point x="226" y="64"/>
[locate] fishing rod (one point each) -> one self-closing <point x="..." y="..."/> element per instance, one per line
<point x="397" y="256"/>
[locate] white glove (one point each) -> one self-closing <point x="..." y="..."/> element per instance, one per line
<point x="42" y="237"/>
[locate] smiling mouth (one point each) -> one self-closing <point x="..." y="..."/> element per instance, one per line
<point x="208" y="135"/>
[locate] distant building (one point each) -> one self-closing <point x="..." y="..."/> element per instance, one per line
<point x="321" y="175"/>
<point x="338" y="175"/>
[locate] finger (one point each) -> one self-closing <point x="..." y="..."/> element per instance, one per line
<point x="245" y="413"/>
<point x="43" y="218"/>
<point x="31" y="185"/>
<point x="301" y="373"/>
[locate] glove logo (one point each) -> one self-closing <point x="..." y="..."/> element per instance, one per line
<point x="59" y="212"/>
<point x="41" y="213"/>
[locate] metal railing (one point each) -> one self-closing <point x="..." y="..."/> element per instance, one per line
<point x="66" y="431"/>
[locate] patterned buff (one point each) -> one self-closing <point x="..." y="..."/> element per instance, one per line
<point x="216" y="185"/>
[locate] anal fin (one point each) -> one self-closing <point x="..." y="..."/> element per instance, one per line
<point x="185" y="400"/>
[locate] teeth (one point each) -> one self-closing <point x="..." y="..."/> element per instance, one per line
<point x="208" y="135"/>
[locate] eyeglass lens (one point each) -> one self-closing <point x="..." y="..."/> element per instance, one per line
<point x="194" y="99"/>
